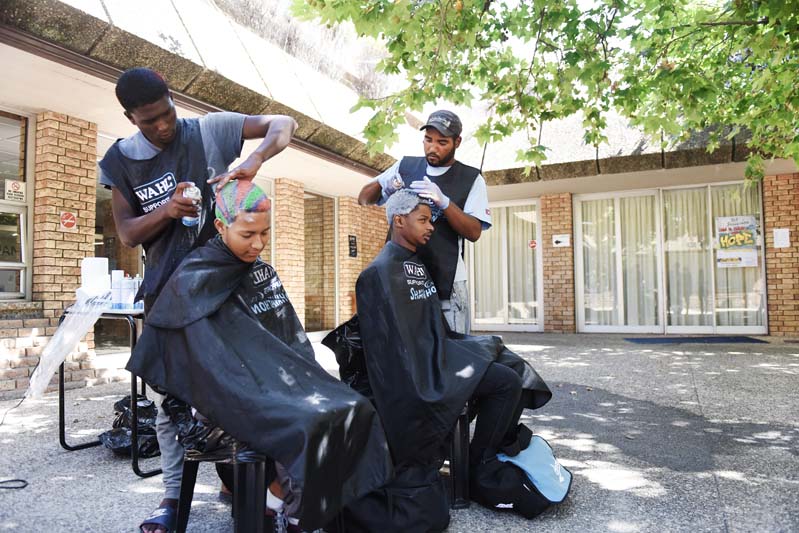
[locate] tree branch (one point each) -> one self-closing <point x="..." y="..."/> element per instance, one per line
<point x="760" y="22"/>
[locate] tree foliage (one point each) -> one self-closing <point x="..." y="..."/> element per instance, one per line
<point x="670" y="66"/>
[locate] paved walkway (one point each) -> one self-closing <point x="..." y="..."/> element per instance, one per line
<point x="679" y="437"/>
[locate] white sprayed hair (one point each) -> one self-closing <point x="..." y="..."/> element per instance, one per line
<point x="402" y="202"/>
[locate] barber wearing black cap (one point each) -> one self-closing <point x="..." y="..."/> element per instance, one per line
<point x="461" y="208"/>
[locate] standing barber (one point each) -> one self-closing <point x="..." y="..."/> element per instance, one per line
<point x="461" y="208"/>
<point x="147" y="173"/>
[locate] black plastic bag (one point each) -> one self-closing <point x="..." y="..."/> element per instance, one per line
<point x="119" y="439"/>
<point x="345" y="342"/>
<point x="202" y="439"/>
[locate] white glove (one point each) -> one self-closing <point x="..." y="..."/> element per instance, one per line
<point x="390" y="183"/>
<point x="427" y="189"/>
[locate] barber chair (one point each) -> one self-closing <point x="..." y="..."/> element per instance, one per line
<point x="249" y="488"/>
<point x="459" y="462"/>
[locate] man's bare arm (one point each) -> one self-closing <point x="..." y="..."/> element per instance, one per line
<point x="134" y="230"/>
<point x="370" y="193"/>
<point x="467" y="226"/>
<point x="276" y="131"/>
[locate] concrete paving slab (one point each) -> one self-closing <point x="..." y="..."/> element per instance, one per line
<point x="723" y="458"/>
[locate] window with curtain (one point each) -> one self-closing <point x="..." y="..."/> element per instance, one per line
<point x="13" y="206"/>
<point x="599" y="262"/>
<point x="522" y="301"/>
<point x="739" y="291"/>
<point x="685" y="232"/>
<point x="639" y="260"/>
<point x="487" y="263"/>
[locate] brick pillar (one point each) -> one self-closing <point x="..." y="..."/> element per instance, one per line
<point x="65" y="181"/>
<point x="556" y="218"/>
<point x="781" y="210"/>
<point x="369" y="226"/>
<point x="289" y="234"/>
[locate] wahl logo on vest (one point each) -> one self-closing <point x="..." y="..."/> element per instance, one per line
<point x="155" y="193"/>
<point x="414" y="270"/>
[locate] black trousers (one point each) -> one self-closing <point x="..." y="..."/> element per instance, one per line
<point x="499" y="408"/>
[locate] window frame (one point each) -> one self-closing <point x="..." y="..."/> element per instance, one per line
<point x="24" y="210"/>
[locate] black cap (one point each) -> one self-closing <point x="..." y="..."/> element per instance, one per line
<point x="446" y="122"/>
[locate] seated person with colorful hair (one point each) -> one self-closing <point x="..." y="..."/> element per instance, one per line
<point x="224" y="338"/>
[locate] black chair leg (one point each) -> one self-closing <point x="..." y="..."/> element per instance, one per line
<point x="459" y="462"/>
<point x="187" y="482"/>
<point x="249" y="497"/>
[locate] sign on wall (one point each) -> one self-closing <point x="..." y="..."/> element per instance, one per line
<point x="737" y="240"/>
<point x="353" y="243"/>
<point x="68" y="221"/>
<point x="562" y="240"/>
<point x="782" y="238"/>
<point x="15" y="190"/>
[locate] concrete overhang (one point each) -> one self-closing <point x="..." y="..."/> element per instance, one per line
<point x="33" y="84"/>
<point x="633" y="180"/>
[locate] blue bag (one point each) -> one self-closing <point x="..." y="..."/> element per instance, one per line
<point x="551" y="479"/>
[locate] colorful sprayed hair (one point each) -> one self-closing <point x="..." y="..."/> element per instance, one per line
<point x="239" y="196"/>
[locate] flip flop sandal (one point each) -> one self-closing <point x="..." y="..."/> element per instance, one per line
<point x="166" y="517"/>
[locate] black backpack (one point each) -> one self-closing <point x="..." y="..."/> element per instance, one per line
<point x="504" y="486"/>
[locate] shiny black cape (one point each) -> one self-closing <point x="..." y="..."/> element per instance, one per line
<point x="203" y="345"/>
<point x="420" y="372"/>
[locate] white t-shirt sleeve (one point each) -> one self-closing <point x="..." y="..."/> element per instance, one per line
<point x="477" y="202"/>
<point x="387" y="175"/>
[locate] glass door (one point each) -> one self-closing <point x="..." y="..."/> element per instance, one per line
<point x="522" y="254"/>
<point x="688" y="261"/>
<point x="700" y="247"/>
<point x="714" y="260"/>
<point x="740" y="294"/>
<point x="617" y="248"/>
<point x="504" y="271"/>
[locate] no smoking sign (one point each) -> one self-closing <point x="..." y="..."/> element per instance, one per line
<point x="68" y="221"/>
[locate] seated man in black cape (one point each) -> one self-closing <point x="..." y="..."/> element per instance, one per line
<point x="224" y="338"/>
<point x="421" y="376"/>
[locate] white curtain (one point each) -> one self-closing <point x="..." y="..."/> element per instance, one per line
<point x="521" y="263"/>
<point x="687" y="242"/>
<point x="739" y="291"/>
<point x="487" y="259"/>
<point x="639" y="260"/>
<point x="599" y="262"/>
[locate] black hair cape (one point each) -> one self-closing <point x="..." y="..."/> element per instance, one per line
<point x="204" y="346"/>
<point x="420" y="372"/>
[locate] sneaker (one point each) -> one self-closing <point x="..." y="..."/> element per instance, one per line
<point x="278" y="522"/>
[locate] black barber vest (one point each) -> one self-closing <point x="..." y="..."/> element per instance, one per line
<point x="148" y="184"/>
<point x="440" y="254"/>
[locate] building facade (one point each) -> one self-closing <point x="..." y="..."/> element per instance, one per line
<point x="709" y="254"/>
<point x="660" y="242"/>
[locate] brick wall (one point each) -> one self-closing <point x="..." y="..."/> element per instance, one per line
<point x="781" y="210"/>
<point x="66" y="154"/>
<point x="369" y="226"/>
<point x="558" y="264"/>
<point x="289" y="235"/>
<point x="64" y="180"/>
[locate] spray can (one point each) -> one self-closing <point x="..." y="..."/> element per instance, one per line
<point x="194" y="193"/>
<point x="137" y="285"/>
